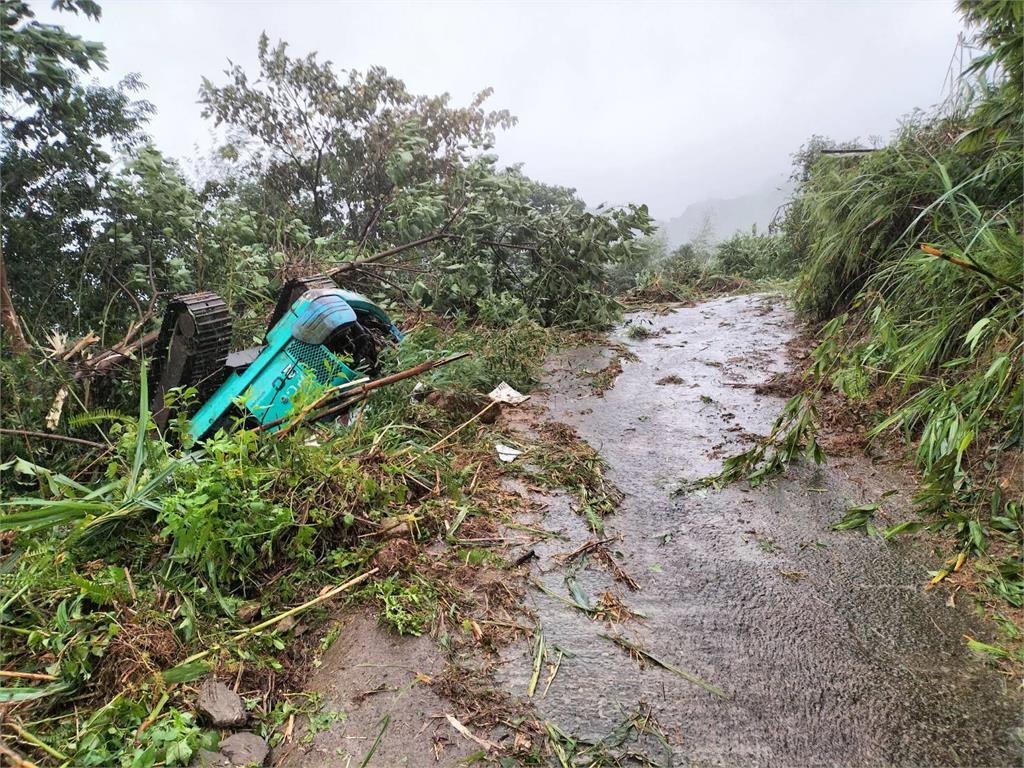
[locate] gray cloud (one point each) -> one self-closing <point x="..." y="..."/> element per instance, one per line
<point x="664" y="103"/>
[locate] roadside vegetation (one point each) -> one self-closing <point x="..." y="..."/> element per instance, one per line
<point x="908" y="258"/>
<point x="746" y="261"/>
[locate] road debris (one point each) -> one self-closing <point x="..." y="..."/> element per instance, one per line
<point x="507" y="453"/>
<point x="639" y="653"/>
<point x="503" y="393"/>
<point x="490" y="746"/>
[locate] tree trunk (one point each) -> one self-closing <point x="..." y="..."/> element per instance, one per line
<point x="14" y="338"/>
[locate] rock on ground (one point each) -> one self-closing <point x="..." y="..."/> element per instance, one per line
<point x="239" y="749"/>
<point x="220" y="706"/>
<point x="244" y="748"/>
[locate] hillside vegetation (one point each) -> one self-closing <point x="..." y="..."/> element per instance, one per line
<point x="910" y="259"/>
<point x="914" y="254"/>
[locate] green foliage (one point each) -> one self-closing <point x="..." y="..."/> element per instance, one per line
<point x="326" y="166"/>
<point x="699" y="268"/>
<point x="123" y="496"/>
<point x="754" y="256"/>
<point x="406" y="607"/>
<point x="636" y="740"/>
<point x="208" y="529"/>
<point x="111" y="737"/>
<point x="337" y="146"/>
<point x="639" y="332"/>
<point x="912" y="253"/>
<point x="514" y="354"/>
<point x="56" y="166"/>
<point x="792" y="437"/>
<point x="521" y="249"/>
<point x="563" y="460"/>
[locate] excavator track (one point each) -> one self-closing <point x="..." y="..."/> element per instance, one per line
<point x="191" y="350"/>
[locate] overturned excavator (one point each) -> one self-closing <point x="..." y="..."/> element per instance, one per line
<point x="320" y="335"/>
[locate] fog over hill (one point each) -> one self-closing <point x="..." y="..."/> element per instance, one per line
<point x="723" y="217"/>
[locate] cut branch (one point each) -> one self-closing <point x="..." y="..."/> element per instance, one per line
<point x="50" y="436"/>
<point x="346" y="395"/>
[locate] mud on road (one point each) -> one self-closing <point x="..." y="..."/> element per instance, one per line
<point x="823" y="646"/>
<point x="826" y="644"/>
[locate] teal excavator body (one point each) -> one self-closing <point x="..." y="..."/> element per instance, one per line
<point x="320" y="336"/>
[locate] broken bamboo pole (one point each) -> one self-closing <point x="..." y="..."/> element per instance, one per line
<point x="357" y="392"/>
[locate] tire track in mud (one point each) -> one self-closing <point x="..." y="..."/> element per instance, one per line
<point x="829" y="650"/>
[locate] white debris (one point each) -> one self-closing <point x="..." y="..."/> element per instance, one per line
<point x="419" y="392"/>
<point x="506" y="452"/>
<point x="503" y="393"/>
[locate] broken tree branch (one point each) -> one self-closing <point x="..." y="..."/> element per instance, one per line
<point x="354" y="392"/>
<point x="50" y="436"/>
<point x="442" y="235"/>
<point x="82" y="343"/>
<point x="108" y="357"/>
<point x="355" y="264"/>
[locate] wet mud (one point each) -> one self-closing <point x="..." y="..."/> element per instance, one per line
<point x="373" y="683"/>
<point x="826" y="644"/>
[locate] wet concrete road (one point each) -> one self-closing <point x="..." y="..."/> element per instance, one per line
<point x="828" y="646"/>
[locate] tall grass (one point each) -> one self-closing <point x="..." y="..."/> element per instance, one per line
<point x="915" y="253"/>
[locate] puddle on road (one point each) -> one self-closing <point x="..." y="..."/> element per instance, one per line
<point x="830" y="651"/>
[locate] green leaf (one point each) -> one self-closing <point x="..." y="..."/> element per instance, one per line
<point x="14" y="694"/>
<point x="909" y="526"/>
<point x="974" y="335"/>
<point x="977" y="535"/>
<point x="856" y="517"/>
<point x="179" y="753"/>
<point x="185" y="673"/>
<point x="984" y="649"/>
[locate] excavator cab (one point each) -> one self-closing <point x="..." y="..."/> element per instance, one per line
<point x="320" y="336"/>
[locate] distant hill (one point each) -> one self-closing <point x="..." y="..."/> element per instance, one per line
<point x="726" y="216"/>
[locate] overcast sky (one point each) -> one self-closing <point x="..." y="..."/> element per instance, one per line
<point x="663" y="103"/>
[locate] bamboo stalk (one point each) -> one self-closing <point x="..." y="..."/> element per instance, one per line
<point x="36" y="741"/>
<point x="360" y="390"/>
<point x="315" y="601"/>
<point x="28" y="675"/>
<point x="538" y="662"/>
<point x="931" y="251"/>
<point x="551" y="677"/>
